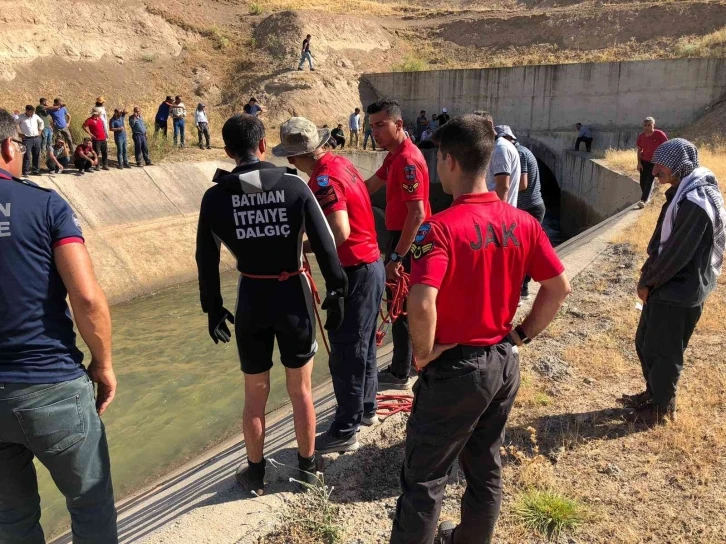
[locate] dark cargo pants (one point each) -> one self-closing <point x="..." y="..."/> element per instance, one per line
<point x="402" y="349"/>
<point x="662" y="338"/>
<point x="58" y="424"/>
<point x="353" y="349"/>
<point x="462" y="402"/>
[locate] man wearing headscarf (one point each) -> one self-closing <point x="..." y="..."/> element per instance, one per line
<point x="685" y="256"/>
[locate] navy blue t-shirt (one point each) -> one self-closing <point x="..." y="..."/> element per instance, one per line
<point x="37" y="341"/>
<point x="162" y="113"/>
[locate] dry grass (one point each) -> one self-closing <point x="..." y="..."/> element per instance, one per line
<point x="377" y="8"/>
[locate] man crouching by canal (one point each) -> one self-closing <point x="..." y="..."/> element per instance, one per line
<point x="260" y="212"/>
<point x="48" y="410"/>
<point x="468" y="352"/>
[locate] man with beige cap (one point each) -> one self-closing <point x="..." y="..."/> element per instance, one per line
<point x="343" y="197"/>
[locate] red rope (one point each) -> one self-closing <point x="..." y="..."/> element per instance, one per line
<point x="394" y="305"/>
<point x="389" y="405"/>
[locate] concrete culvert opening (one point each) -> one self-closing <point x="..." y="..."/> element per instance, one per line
<point x="551" y="195"/>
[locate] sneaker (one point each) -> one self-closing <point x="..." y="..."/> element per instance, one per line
<point x="149" y="163"/>
<point x="120" y="167"/>
<point x="308" y="470"/>
<point x="388" y="380"/>
<point x="80" y="173"/>
<point x="327" y="443"/>
<point x="36" y="172"/>
<point x="127" y="165"/>
<point x="209" y="147"/>
<point x="369" y="420"/>
<point x="637" y="401"/>
<point x="252" y="477"/>
<point x="139" y="165"/>
<point x="446" y="533"/>
<point x="104" y="167"/>
<point x="299" y="69"/>
<point x="641" y="205"/>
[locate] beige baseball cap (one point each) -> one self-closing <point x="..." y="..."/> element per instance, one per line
<point x="299" y="136"/>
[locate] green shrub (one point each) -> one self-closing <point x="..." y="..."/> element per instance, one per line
<point x="255" y="8"/>
<point x="411" y="64"/>
<point x="548" y="513"/>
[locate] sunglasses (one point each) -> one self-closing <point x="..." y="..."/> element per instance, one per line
<point x="21" y="145"/>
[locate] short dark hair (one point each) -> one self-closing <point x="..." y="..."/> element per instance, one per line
<point x="423" y="111"/>
<point x="357" y="109"/>
<point x="470" y="140"/>
<point x="41" y="100"/>
<point x="391" y="107"/>
<point x="168" y="97"/>
<point x="578" y="124"/>
<point x="253" y="99"/>
<point x="29" y="107"/>
<point x="7" y="125"/>
<point x="242" y="134"/>
<point x="309" y="36"/>
<point x="177" y="97"/>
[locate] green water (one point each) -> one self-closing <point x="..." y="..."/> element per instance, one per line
<point x="178" y="392"/>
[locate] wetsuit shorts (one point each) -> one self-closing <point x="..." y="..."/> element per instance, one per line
<point x="268" y="309"/>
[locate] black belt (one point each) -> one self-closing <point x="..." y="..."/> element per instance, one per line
<point x="463" y="352"/>
<point x="30" y="137"/>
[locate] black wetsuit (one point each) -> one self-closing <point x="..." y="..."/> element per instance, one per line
<point x="259" y="212"/>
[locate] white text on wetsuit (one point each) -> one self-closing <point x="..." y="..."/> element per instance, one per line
<point x="260" y="223"/>
<point x="5" y="225"/>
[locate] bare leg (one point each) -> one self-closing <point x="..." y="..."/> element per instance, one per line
<point x="299" y="387"/>
<point x="257" y="389"/>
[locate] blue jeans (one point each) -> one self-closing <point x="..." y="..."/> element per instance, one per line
<point x="353" y="349"/>
<point x="122" y="154"/>
<point x="179" y="131"/>
<point x="306" y="56"/>
<point x="47" y="138"/>
<point x="58" y="424"/>
<point x="369" y="134"/>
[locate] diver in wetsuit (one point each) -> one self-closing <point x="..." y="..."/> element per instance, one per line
<point x="260" y="213"/>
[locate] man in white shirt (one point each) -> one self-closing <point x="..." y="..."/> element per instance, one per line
<point x="202" y="123"/>
<point x="354" y="126"/>
<point x="178" y="113"/>
<point x="504" y="168"/>
<point x="30" y="127"/>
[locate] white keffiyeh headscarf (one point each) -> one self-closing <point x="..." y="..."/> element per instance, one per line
<point x="699" y="185"/>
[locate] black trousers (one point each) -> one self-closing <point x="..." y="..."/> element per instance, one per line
<point x="101" y="149"/>
<point x="141" y="148"/>
<point x="83" y="164"/>
<point x="162" y="126"/>
<point x="660" y="341"/>
<point x="340" y="140"/>
<point x="402" y="348"/>
<point x="462" y="402"/>
<point x="646" y="180"/>
<point x="32" y="150"/>
<point x="538" y="212"/>
<point x="203" y="130"/>
<point x="588" y="144"/>
<point x="353" y="349"/>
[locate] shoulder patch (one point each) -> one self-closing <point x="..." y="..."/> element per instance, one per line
<point x="410" y="187"/>
<point x="323" y="181"/>
<point x="326" y="196"/>
<point x="410" y="172"/>
<point x="422" y="233"/>
<point x="419" y="250"/>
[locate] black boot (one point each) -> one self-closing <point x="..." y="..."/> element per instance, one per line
<point x="308" y="472"/>
<point x="253" y="478"/>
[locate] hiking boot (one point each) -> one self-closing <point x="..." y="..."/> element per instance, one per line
<point x="637" y="401"/>
<point x="308" y="470"/>
<point x="388" y="380"/>
<point x="446" y="533"/>
<point x="369" y="419"/>
<point x="327" y="443"/>
<point x="252" y="477"/>
<point x="653" y="415"/>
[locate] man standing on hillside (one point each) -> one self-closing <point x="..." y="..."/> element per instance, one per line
<point x="47" y="134"/>
<point x="530" y="194"/>
<point x="47" y="407"/>
<point x="468" y="351"/>
<point x="96" y="129"/>
<point x="685" y="257"/>
<point x="584" y="134"/>
<point x="343" y="197"/>
<point x="201" y="121"/>
<point x="505" y="171"/>
<point x="260" y="209"/>
<point x="117" y="126"/>
<point x="61" y="120"/>
<point x="648" y="141"/>
<point x="178" y="114"/>
<point x="30" y="127"/>
<point x="253" y="108"/>
<point x="368" y="132"/>
<point x="306" y="54"/>
<point x="100" y="101"/>
<point x="354" y="124"/>
<point x="161" y="121"/>
<point x="406" y="176"/>
<point x="138" y="133"/>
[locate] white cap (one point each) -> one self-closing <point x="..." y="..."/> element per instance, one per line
<point x="445" y="110"/>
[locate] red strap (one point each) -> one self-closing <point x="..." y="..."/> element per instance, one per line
<point x="281" y="277"/>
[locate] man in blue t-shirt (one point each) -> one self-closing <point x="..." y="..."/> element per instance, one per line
<point x="161" y="122"/>
<point x="61" y="120"/>
<point x="253" y="108"/>
<point x="48" y="409"/>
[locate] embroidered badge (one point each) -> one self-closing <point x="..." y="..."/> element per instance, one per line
<point x="410" y="172"/>
<point x="418" y="251"/>
<point x="323" y="181"/>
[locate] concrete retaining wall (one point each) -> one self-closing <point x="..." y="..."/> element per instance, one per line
<point x="141" y="224"/>
<point x="607" y="96"/>
<point x="591" y="192"/>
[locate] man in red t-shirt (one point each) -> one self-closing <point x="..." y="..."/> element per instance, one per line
<point x="406" y="177"/>
<point x="96" y="129"/>
<point x="468" y="265"/>
<point x="648" y="141"/>
<point x="84" y="157"/>
<point x="343" y="198"/>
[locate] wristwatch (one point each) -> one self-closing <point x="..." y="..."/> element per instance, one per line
<point x="522" y="335"/>
<point x="395" y="257"/>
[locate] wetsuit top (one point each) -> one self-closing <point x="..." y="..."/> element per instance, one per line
<point x="260" y="212"/>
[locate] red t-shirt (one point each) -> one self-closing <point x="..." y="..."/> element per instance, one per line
<point x="82" y="148"/>
<point x="97" y="127"/>
<point x="337" y="185"/>
<point x="648" y="144"/>
<point x="407" y="180"/>
<point x="476" y="253"/>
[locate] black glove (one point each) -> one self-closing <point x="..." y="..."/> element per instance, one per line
<point x="334" y="304"/>
<point x="218" y="328"/>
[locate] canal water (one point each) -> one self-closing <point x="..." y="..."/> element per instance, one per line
<point x="178" y="392"/>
